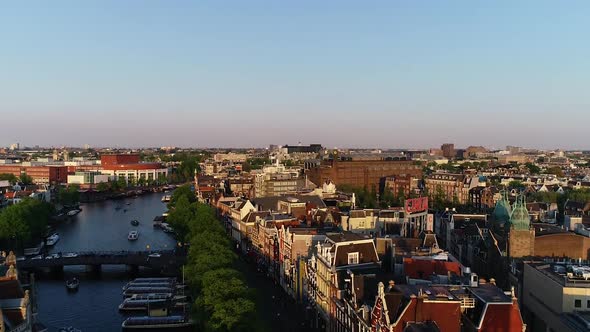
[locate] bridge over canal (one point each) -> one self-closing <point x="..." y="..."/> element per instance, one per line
<point x="166" y="262"/>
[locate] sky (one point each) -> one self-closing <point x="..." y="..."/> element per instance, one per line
<point x="390" y="74"/>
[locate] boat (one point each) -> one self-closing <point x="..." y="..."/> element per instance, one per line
<point x="52" y="239"/>
<point x="34" y="250"/>
<point x="171" y="279"/>
<point x="165" y="322"/>
<point x="135" y="222"/>
<point x="152" y="296"/>
<point x="73" y="212"/>
<point x="151" y="284"/>
<point x="72" y="284"/>
<point x="128" y="203"/>
<point x="129" y="292"/>
<point x="133" y="235"/>
<point x="132" y="304"/>
<point x="69" y="329"/>
<point x="166" y="198"/>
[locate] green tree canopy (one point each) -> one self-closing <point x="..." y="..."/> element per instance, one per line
<point x="8" y="177"/>
<point x="25" y="179"/>
<point x="533" y="169"/>
<point x="182" y="191"/>
<point x="25" y="220"/>
<point x="557" y="171"/>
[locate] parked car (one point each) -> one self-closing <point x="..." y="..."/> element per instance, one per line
<point x="155" y="255"/>
<point x="69" y="255"/>
<point x="52" y="256"/>
<point x="37" y="257"/>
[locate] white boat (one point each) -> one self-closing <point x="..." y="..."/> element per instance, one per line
<point x="52" y="239"/>
<point x="133" y="235"/>
<point x="73" y="212"/>
<point x="166" y="198"/>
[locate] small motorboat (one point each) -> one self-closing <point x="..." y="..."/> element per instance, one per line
<point x="72" y="284"/>
<point x="133" y="235"/>
<point x="135" y="222"/>
<point x="52" y="239"/>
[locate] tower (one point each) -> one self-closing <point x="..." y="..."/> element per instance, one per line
<point x="521" y="236"/>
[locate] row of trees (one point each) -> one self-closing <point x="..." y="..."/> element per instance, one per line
<point x="223" y="300"/>
<point x="24" y="221"/>
<point x="369" y="199"/>
<point x="23" y="178"/>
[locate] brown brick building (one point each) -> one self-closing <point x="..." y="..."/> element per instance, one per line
<point x="39" y="174"/>
<point x="361" y="173"/>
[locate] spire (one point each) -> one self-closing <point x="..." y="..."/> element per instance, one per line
<point x="502" y="209"/>
<point x="520" y="219"/>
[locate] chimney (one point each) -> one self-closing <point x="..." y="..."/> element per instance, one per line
<point x="391" y="285"/>
<point x="419" y="306"/>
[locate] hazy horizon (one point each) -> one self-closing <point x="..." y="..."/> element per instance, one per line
<point x="351" y="74"/>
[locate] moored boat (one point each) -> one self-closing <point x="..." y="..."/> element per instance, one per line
<point x="165" y="322"/>
<point x="135" y="222"/>
<point x="52" y="239"/>
<point x="132" y="304"/>
<point x="129" y="292"/>
<point x="73" y="212"/>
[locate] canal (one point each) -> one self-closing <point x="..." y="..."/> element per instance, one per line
<point x="100" y="226"/>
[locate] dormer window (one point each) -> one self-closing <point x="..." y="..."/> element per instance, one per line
<point x="353" y="258"/>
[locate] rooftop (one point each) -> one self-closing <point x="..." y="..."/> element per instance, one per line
<point x="566" y="274"/>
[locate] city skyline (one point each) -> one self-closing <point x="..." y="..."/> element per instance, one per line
<point x="408" y="75"/>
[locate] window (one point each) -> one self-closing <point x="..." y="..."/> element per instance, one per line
<point x="353" y="258"/>
<point x="578" y="303"/>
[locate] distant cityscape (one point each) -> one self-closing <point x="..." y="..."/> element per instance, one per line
<point x="443" y="239"/>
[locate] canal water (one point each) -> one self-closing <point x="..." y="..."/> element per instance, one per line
<point x="101" y="226"/>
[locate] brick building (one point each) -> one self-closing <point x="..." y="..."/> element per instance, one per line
<point x="448" y="150"/>
<point x="368" y="174"/>
<point x="39" y="174"/>
<point x="452" y="186"/>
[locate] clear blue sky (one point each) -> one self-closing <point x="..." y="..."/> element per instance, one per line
<point x="252" y="73"/>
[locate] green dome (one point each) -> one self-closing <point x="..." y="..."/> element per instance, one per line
<point x="520" y="219"/>
<point x="502" y="209"/>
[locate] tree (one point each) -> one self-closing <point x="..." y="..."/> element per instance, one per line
<point x="69" y="195"/>
<point x="25" y="179"/>
<point x="102" y="186"/>
<point x="515" y="184"/>
<point x="533" y="169"/>
<point x="557" y="171"/>
<point x="182" y="191"/>
<point x="8" y="177"/>
<point x="25" y="220"/>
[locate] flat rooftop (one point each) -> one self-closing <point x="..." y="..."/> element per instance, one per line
<point x="567" y="274"/>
